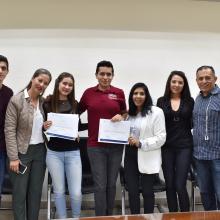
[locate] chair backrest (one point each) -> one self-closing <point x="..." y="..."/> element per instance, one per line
<point x="87" y="180"/>
<point x="159" y="184"/>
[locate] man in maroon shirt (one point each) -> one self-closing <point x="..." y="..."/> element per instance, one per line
<point x="5" y="95"/>
<point x="107" y="102"/>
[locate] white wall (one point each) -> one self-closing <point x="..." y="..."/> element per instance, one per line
<point x="137" y="56"/>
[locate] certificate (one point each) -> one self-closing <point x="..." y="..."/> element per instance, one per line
<point x="113" y="132"/>
<point x="63" y="125"/>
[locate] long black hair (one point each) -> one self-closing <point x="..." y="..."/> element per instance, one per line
<point x="185" y="94"/>
<point x="146" y="108"/>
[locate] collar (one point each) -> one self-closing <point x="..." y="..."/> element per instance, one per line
<point x="214" y="91"/>
<point x="96" y="88"/>
<point x="26" y="95"/>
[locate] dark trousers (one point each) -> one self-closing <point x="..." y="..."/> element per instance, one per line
<point x="2" y="170"/>
<point x="208" y="177"/>
<point x="176" y="164"/>
<point x="134" y="180"/>
<point x="105" y="163"/>
<point x="27" y="187"/>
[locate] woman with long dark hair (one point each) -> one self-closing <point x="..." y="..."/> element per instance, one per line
<point x="177" y="105"/>
<point x="143" y="154"/>
<point x="63" y="155"/>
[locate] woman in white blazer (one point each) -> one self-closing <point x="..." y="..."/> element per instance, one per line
<point x="143" y="154"/>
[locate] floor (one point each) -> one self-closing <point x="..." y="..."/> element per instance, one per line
<point x="7" y="214"/>
<point x="88" y="207"/>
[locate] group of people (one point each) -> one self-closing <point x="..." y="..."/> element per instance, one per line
<point x="159" y="134"/>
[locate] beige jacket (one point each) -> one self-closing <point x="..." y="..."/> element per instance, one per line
<point x="18" y="125"/>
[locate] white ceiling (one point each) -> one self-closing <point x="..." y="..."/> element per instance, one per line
<point x="129" y="15"/>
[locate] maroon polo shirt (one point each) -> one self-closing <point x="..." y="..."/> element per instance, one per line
<point x="101" y="104"/>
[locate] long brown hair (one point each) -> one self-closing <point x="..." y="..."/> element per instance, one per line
<point x="70" y="97"/>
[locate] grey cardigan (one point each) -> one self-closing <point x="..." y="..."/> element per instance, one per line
<point x="18" y="125"/>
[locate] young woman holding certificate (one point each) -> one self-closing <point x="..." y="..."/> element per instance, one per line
<point x="63" y="155"/>
<point x="25" y="146"/>
<point x="143" y="154"/>
<point x="107" y="102"/>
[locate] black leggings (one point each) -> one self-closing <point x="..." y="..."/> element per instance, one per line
<point x="133" y="180"/>
<point x="175" y="164"/>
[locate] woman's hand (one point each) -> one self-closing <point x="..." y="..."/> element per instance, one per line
<point x="14" y="166"/>
<point x="117" y="117"/>
<point x="133" y="141"/>
<point x="47" y="124"/>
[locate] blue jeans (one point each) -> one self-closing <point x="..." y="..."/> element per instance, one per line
<point x="69" y="163"/>
<point x="2" y="169"/>
<point x="208" y="177"/>
<point x="105" y="163"/>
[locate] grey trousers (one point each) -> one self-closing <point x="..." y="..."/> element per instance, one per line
<point x="27" y="187"/>
<point x="105" y="163"/>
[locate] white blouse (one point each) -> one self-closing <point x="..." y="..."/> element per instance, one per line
<point x="36" y="134"/>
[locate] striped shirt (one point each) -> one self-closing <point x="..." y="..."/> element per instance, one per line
<point x="206" y="126"/>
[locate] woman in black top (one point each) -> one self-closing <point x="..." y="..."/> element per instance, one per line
<point x="63" y="155"/>
<point x="177" y="105"/>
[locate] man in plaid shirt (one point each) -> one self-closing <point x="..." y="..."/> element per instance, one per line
<point x="206" y="137"/>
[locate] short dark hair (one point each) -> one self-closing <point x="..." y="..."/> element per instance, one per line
<point x="185" y="94"/>
<point x="104" y="63"/>
<point x="147" y="103"/>
<point x="5" y="60"/>
<point x="204" y="67"/>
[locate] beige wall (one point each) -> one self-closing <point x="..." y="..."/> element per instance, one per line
<point x="137" y="15"/>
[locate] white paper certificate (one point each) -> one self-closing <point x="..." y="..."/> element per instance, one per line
<point x="114" y="132"/>
<point x="63" y="125"/>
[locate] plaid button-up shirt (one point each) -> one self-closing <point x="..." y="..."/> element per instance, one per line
<point x="206" y="126"/>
